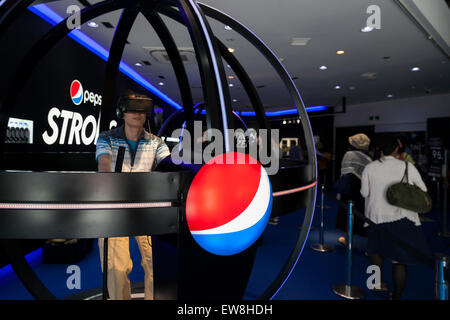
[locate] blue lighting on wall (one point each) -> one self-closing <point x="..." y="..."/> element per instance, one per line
<point x="53" y="18"/>
<point x="283" y="112"/>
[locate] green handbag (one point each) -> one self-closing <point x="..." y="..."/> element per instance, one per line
<point x="407" y="196"/>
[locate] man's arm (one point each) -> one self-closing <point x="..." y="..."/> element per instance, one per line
<point x="104" y="163"/>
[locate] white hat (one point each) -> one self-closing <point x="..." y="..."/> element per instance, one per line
<point x="359" y="141"/>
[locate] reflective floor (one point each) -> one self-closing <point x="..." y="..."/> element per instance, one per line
<point x="313" y="277"/>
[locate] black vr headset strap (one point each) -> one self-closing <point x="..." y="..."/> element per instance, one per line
<point x="118" y="168"/>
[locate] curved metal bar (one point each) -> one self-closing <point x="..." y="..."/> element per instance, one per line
<point x="247" y="83"/>
<point x="236" y="67"/>
<point x="215" y="88"/>
<point x="10" y="11"/>
<point x="33" y="56"/>
<point x="24" y="272"/>
<point x="287" y="269"/>
<point x="31" y="59"/>
<point x="178" y="67"/>
<point x="112" y="66"/>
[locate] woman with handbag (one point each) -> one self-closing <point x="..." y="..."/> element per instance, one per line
<point x="349" y="184"/>
<point x="377" y="178"/>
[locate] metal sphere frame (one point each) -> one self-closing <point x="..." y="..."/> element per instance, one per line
<point x="209" y="51"/>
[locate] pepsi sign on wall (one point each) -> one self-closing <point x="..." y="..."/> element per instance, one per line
<point x="229" y="204"/>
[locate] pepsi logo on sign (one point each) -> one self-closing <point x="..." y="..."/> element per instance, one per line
<point x="229" y="204"/>
<point x="78" y="95"/>
<point x="76" y="92"/>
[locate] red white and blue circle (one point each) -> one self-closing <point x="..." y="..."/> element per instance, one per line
<point x="229" y="204"/>
<point x="76" y="92"/>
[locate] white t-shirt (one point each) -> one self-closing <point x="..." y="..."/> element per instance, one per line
<point x="377" y="177"/>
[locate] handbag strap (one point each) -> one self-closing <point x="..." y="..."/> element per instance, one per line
<point x="406" y="173"/>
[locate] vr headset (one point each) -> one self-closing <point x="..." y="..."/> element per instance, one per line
<point x="134" y="103"/>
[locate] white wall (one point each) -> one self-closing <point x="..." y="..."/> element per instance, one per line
<point x="397" y="114"/>
<point x="434" y="17"/>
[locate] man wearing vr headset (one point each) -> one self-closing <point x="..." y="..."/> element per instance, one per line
<point x="142" y="149"/>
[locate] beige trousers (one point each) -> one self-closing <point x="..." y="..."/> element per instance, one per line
<point x="120" y="266"/>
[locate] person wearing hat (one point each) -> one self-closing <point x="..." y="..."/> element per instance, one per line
<point x="349" y="184"/>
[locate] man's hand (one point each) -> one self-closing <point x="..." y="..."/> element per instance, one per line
<point x="104" y="163"/>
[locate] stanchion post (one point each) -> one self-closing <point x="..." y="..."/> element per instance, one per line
<point x="105" y="295"/>
<point x="444" y="232"/>
<point x="441" y="281"/>
<point x="321" y="247"/>
<point x="321" y="214"/>
<point x="349" y="243"/>
<point x="348" y="290"/>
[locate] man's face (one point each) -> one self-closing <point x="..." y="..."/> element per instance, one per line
<point x="134" y="119"/>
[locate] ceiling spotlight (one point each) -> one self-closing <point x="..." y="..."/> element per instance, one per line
<point x="161" y="83"/>
<point x="228" y="66"/>
<point x="366" y="29"/>
<point x="352" y="88"/>
<point x="228" y="28"/>
<point x="138" y="64"/>
<point x="340" y="52"/>
<point x="234" y="100"/>
<point x="323" y="68"/>
<point x="231" y="85"/>
<point x="337" y="87"/>
<point x="230" y="77"/>
<point x="92" y="24"/>
<point x="230" y="50"/>
<point x="389" y="96"/>
<point x="281" y="59"/>
<point x="284" y="122"/>
<point x="298" y="120"/>
<point x="415" y="69"/>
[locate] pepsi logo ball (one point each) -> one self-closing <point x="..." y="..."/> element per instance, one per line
<point x="76" y="92"/>
<point x="228" y="204"/>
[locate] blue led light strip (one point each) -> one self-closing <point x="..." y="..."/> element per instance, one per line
<point x="53" y="18"/>
<point x="33" y="258"/>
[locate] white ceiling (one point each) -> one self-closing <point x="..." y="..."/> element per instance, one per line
<point x="331" y="24"/>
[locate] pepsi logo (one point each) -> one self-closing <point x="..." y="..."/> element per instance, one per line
<point x="76" y="92"/>
<point x="78" y="95"/>
<point x="229" y="204"/>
